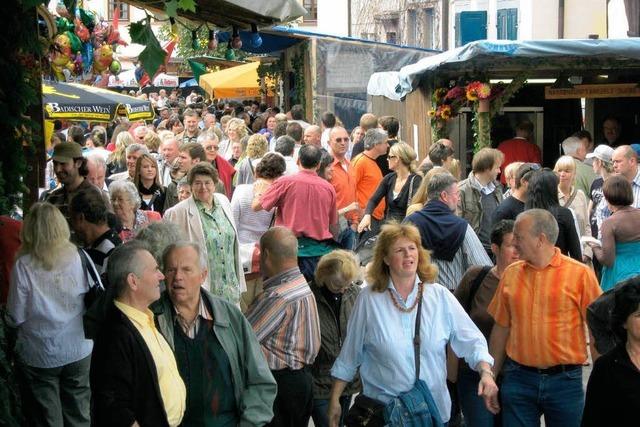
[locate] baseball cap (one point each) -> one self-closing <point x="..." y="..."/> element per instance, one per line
<point x="66" y="151"/>
<point x="602" y="152"/>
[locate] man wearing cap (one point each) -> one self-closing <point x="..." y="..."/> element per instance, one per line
<point x="164" y="115"/>
<point x="70" y="168"/>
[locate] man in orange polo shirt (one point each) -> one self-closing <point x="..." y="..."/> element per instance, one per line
<point x="344" y="183"/>
<point x="540" y="315"/>
<point x="367" y="174"/>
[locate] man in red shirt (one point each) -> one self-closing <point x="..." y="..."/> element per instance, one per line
<point x="306" y="205"/>
<point x="520" y="148"/>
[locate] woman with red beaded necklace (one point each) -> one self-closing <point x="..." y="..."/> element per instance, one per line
<point x="380" y="337"/>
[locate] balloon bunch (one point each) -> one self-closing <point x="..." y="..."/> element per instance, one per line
<point x="83" y="47"/>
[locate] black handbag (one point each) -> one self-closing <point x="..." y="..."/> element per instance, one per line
<point x="365" y="412"/>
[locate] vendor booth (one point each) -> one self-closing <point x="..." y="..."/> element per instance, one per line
<point x="477" y="93"/>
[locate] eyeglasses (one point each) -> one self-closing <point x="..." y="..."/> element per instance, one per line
<point x="212" y="147"/>
<point x="342" y="139"/>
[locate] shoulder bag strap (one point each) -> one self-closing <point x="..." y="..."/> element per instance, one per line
<point x="573" y="196"/>
<point x="410" y="189"/>
<point x="475" y="285"/>
<point x="90" y="270"/>
<point x="416" y="336"/>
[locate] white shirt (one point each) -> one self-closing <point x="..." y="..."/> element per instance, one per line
<point x="380" y="342"/>
<point x="47" y="308"/>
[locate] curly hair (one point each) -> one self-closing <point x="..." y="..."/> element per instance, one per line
<point x="378" y="273"/>
<point x="257" y="146"/>
<point x="271" y="166"/>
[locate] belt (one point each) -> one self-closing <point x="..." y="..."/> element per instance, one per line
<point x="557" y="369"/>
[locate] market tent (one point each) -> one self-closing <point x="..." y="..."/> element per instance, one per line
<point x="235" y="82"/>
<point x="505" y="58"/>
<point x="72" y="101"/>
<point x="165" y="80"/>
<point x="189" y="83"/>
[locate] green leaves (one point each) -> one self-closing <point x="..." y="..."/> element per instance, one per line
<point x="171" y="8"/>
<point x="189" y="5"/>
<point x="153" y="55"/>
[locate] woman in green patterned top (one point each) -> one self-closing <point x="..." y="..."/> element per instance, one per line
<point x="207" y="219"/>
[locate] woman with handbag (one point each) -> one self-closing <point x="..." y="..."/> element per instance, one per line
<point x="46" y="303"/>
<point x="403" y="370"/>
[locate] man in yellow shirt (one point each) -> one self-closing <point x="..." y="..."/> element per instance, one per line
<point x="134" y="377"/>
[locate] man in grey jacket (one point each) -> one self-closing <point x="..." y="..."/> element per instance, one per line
<point x="227" y="377"/>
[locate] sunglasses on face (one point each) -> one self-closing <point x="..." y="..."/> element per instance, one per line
<point x="342" y="139"/>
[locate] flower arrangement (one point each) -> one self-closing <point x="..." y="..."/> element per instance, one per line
<point x="477" y="90"/>
<point x="484" y="99"/>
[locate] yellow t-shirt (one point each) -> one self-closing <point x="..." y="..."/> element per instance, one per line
<point x="172" y="389"/>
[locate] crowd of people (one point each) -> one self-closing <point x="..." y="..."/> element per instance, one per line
<point x="231" y="264"/>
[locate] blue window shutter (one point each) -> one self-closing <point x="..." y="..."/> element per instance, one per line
<point x="471" y="26"/>
<point x="507" y="24"/>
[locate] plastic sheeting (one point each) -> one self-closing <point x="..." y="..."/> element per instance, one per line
<point x="485" y="56"/>
<point x="343" y="69"/>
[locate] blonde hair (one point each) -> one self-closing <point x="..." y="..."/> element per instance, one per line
<point x="257" y="146"/>
<point x="337" y="268"/>
<point x="152" y="141"/>
<point x="45" y="236"/>
<point x="239" y="126"/>
<point x="123" y="140"/>
<point x="136" y="175"/>
<point x="566" y="163"/>
<point x="378" y="273"/>
<point x="511" y="169"/>
<point x="420" y="197"/>
<point x="454" y="168"/>
<point x="405" y="154"/>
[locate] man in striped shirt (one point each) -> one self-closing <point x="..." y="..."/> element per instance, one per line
<point x="285" y="320"/>
<point x="539" y="310"/>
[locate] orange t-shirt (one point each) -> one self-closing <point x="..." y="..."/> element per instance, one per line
<point x="545" y="310"/>
<point x="367" y="175"/>
<point x="344" y="183"/>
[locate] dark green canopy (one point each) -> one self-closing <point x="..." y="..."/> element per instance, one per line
<point x="72" y="101"/>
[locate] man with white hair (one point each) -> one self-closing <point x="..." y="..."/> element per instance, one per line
<point x="134" y="151"/>
<point x="576" y="148"/>
<point x="97" y="168"/>
<point x="169" y="150"/>
<point x="367" y="174"/>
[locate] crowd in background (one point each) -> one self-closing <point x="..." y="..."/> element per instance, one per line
<point x="252" y="268"/>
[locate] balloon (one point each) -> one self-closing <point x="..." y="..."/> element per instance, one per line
<point x="115" y="67"/>
<point x="88" y="18"/>
<point x="63" y="25"/>
<point x="103" y="57"/>
<point x="87" y="55"/>
<point x="81" y="31"/>
<point x="76" y="44"/>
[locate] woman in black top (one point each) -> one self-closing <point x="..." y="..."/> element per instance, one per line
<point x="543" y="194"/>
<point x="147" y="181"/>
<point x="613" y="392"/>
<point x="397" y="188"/>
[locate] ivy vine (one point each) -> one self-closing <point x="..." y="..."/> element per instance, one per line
<point x="297" y="64"/>
<point x="20" y="81"/>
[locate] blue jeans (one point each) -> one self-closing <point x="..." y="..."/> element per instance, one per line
<point x="320" y="407"/>
<point x="527" y="395"/>
<point x="347" y="239"/>
<point x="473" y="408"/>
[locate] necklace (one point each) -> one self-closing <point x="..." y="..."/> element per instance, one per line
<point x="415" y="303"/>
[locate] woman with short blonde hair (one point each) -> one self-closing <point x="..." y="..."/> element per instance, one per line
<point x="257" y="147"/>
<point x="335" y="290"/>
<point x="574" y="199"/>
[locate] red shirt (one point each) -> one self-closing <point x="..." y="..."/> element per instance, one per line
<point x="9" y="245"/>
<point x="306" y="204"/>
<point x="518" y="150"/>
<point x="345" y="186"/>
